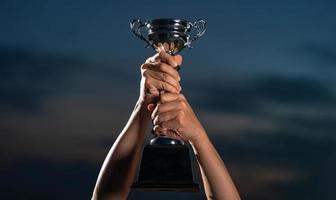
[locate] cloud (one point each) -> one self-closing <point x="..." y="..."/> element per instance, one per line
<point x="256" y="181"/>
<point x="276" y="166"/>
<point x="39" y="178"/>
<point x="263" y="167"/>
<point x="253" y="95"/>
<point x="233" y="125"/>
<point x="325" y="55"/>
<point x="27" y="77"/>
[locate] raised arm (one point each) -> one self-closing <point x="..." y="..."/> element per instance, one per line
<point x="119" y="168"/>
<point x="175" y="113"/>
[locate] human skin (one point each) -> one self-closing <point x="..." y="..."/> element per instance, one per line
<point x="172" y="112"/>
<point x="175" y="113"/>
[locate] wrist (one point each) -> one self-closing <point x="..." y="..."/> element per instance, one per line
<point x="200" y="138"/>
<point x="142" y="107"/>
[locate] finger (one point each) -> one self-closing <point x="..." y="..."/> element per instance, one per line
<point x="163" y="117"/>
<point x="165" y="107"/>
<point x="151" y="89"/>
<point x="171" y="124"/>
<point x="167" y="58"/>
<point x="165" y="68"/>
<point x="164" y="77"/>
<point x="166" y="46"/>
<point x="158" y="130"/>
<point x="152" y="59"/>
<point x="151" y="107"/>
<point x="180" y="135"/>
<point x="176" y="135"/>
<point x="170" y="134"/>
<point x="178" y="59"/>
<point x="161" y="85"/>
<point x="145" y="66"/>
<point x="169" y="97"/>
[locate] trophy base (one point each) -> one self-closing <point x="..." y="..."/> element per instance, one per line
<point x="187" y="187"/>
<point x="166" y="168"/>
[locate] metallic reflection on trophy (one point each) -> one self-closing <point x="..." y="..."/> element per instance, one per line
<point x="166" y="164"/>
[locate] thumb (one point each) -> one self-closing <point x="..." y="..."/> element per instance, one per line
<point x="178" y="59"/>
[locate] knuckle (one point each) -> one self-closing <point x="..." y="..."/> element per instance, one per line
<point x="144" y="66"/>
<point x="150" y="59"/>
<point x="180" y="117"/>
<point x="145" y="73"/>
<point x="179" y="120"/>
<point x="161" y="54"/>
<point x="164" y="86"/>
<point x="147" y="82"/>
<point x="161" y="66"/>
<point x="159" y="108"/>
<point x="156" y="128"/>
<point x="183" y="104"/>
<point x="164" y="77"/>
<point x="171" y="60"/>
<point x="164" y="95"/>
<point x="180" y="114"/>
<point x="154" y="114"/>
<point x="157" y="119"/>
<point x="163" y="125"/>
<point x="162" y="99"/>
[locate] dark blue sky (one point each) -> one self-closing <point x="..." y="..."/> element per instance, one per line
<point x="262" y="81"/>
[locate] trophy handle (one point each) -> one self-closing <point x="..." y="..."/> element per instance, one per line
<point x="136" y="26"/>
<point x="200" y="26"/>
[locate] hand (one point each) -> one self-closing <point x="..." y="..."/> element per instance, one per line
<point x="159" y="73"/>
<point x="174" y="117"/>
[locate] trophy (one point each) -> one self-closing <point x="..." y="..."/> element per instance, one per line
<point x="166" y="163"/>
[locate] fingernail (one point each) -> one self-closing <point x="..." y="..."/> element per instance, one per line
<point x="150" y="107"/>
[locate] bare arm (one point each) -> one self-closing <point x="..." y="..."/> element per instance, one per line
<point x="174" y="112"/>
<point x="119" y="168"/>
<point x="217" y="181"/>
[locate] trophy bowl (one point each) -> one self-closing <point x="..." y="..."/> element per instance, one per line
<point x="170" y="35"/>
<point x="166" y="163"/>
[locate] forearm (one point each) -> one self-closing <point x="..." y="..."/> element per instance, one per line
<point x="119" y="168"/>
<point x="217" y="181"/>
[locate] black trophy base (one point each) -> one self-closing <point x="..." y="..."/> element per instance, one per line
<point x="191" y="187"/>
<point x="166" y="168"/>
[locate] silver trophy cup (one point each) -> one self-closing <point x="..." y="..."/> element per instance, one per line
<point x="166" y="164"/>
<point x="172" y="35"/>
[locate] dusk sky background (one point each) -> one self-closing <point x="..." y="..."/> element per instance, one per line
<point x="262" y="81"/>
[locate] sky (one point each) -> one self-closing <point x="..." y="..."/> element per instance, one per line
<point x="261" y="80"/>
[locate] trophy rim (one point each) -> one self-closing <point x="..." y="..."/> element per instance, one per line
<point x="175" y="20"/>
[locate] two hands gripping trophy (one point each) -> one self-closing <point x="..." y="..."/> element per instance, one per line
<point x="171" y="113"/>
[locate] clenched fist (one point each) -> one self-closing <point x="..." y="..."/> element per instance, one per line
<point x="174" y="117"/>
<point x="159" y="74"/>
